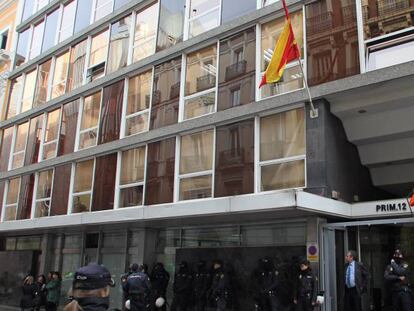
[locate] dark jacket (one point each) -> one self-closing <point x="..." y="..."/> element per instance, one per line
<point x="392" y="274"/>
<point x="305" y="285"/>
<point x="53" y="291"/>
<point x="29" y="292"/>
<point x="361" y="277"/>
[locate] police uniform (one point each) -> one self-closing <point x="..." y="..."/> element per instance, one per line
<point x="305" y="290"/>
<point x="401" y="289"/>
<point x="138" y="287"/>
<point x="268" y="284"/>
<point x="221" y="288"/>
<point x="183" y="282"/>
<point x="159" y="282"/>
<point x="202" y="282"/>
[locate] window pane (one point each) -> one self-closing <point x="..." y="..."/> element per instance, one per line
<point x="282" y="135"/>
<point x="68" y="127"/>
<point x="110" y="121"/>
<point x="145" y="32"/>
<point x="391" y="55"/>
<point x="201" y="70"/>
<point x="25" y="197"/>
<point x="199" y="106"/>
<point x="104" y="185"/>
<point x="103" y="8"/>
<point x="28" y="10"/>
<point x="88" y="139"/>
<point x="44" y="184"/>
<point x="60" y="75"/>
<point x="77" y="65"/>
<point x="118" y="45"/>
<point x="204" y="15"/>
<point x="99" y="48"/>
<point x="51" y="28"/>
<point x="171" y="23"/>
<point x="120" y="3"/>
<point x="52" y="125"/>
<point x="292" y="80"/>
<point x="195" y="188"/>
<point x="49" y="150"/>
<point x="42" y="209"/>
<point x="14" y="97"/>
<point x="20" y="144"/>
<point x="13" y="191"/>
<point x="160" y="172"/>
<point x="33" y="141"/>
<point x="237" y="69"/>
<point x="42" y="83"/>
<point x="22" y="47"/>
<point x="139" y="92"/>
<point x="60" y="190"/>
<point x="81" y="203"/>
<point x="5" y="148"/>
<point x="2" y="188"/>
<point x="131" y="196"/>
<point x="83" y="15"/>
<point x="83" y="176"/>
<point x="234" y="159"/>
<point x="68" y="19"/>
<point x="90" y="113"/>
<point x="200" y="7"/>
<point x="196" y="152"/>
<point x="136" y="124"/>
<point x="10" y="213"/>
<point x="37" y="39"/>
<point x="166" y="93"/>
<point x="232" y="9"/>
<point x="283" y="175"/>
<point x="132" y="166"/>
<point x="28" y="91"/>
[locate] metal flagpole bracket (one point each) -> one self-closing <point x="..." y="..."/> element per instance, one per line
<point x="313" y="112"/>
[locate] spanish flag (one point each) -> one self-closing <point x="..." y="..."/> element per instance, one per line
<point x="285" y="51"/>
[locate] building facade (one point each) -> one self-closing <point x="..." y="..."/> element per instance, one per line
<point x="135" y="131"/>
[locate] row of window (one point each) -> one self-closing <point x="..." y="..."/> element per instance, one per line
<point x="214" y="162"/>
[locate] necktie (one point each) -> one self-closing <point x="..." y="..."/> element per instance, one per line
<point x="348" y="276"/>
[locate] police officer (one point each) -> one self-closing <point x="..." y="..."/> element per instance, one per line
<point x="305" y="289"/>
<point x="159" y="282"/>
<point x="221" y="287"/>
<point x="183" y="282"/>
<point x="90" y="289"/>
<point x="268" y="286"/>
<point x="124" y="278"/>
<point x="397" y="274"/>
<point x="138" y="287"/>
<point x="202" y="283"/>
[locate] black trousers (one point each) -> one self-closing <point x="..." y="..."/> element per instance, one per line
<point x="352" y="301"/>
<point x="304" y="304"/>
<point x="402" y="300"/>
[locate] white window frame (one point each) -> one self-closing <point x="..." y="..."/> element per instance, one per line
<point x="71" y="25"/>
<point x="13" y="145"/>
<point x="37" y="5"/>
<point x="184" y="98"/>
<point x="5" y="205"/>
<point x="119" y="187"/>
<point x="95" y="8"/>
<point x="43" y="22"/>
<point x="35" y="199"/>
<point x="55" y="40"/>
<point x="73" y="194"/>
<point x="88" y="77"/>
<point x="52" y="80"/>
<point x="2" y="32"/>
<point x="20" y="104"/>
<point x="188" y="19"/>
<point x="43" y="137"/>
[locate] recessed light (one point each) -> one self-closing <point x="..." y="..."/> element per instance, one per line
<point x="362" y="111"/>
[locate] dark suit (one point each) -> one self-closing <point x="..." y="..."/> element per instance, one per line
<point x="352" y="299"/>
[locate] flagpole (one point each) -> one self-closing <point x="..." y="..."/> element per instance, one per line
<point x="314" y="111"/>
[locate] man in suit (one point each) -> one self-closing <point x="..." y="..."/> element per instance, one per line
<point x="356" y="280"/>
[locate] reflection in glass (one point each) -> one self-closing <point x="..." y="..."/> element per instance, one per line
<point x="90" y="118"/>
<point x="204" y="15"/>
<point x="81" y="203"/>
<point x="83" y="176"/>
<point x="42" y="83"/>
<point x="29" y="8"/>
<point x="98" y="48"/>
<point x="51" y="134"/>
<point x="104" y="183"/>
<point x="14" y="97"/>
<point x="118" y="44"/>
<point x="60" y="75"/>
<point x="145" y="32"/>
<point x="103" y="8"/>
<point x="60" y="190"/>
<point x="37" y="39"/>
<point x="198" y="106"/>
<point x="22" y="47"/>
<point x="6" y="141"/>
<point x="171" y="23"/>
<point x="83" y="15"/>
<point x="13" y="191"/>
<point x="231" y="9"/>
<point x="33" y="140"/>
<point x="43" y="193"/>
<point x="196" y="152"/>
<point x="25" y="197"/>
<point x="10" y="212"/>
<point x="68" y="127"/>
<point x="28" y="90"/>
<point x="20" y="145"/>
<point x="390" y="55"/>
<point x="51" y="27"/>
<point x="283" y="176"/>
<point x="68" y="19"/>
<point x="131" y="196"/>
<point x="195" y="187"/>
<point x="136" y="124"/>
<point x="77" y="65"/>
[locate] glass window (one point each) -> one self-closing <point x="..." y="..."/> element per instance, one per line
<point x="28" y="90"/>
<point x="282" y="150"/>
<point x="196" y="165"/>
<point x="90" y="118"/>
<point x="68" y="125"/>
<point x="68" y="19"/>
<point x="145" y="32"/>
<point x="292" y="78"/>
<point x="60" y="189"/>
<point x="14" y="97"/>
<point x="171" y="23"/>
<point x="160" y="172"/>
<point x="83" y="15"/>
<point x="120" y="3"/>
<point x="234" y="172"/>
<point x="104" y="184"/>
<point x="41" y="4"/>
<point x="2" y="188"/>
<point x="17" y="156"/>
<point x="6" y="142"/>
<point x="382" y="56"/>
<point x="42" y="83"/>
<point x="77" y="65"/>
<point x="33" y="140"/>
<point x="50" y="140"/>
<point x="204" y="15"/>
<point x="103" y="8"/>
<point x="28" y="10"/>
<point x="233" y="9"/>
<point x="37" y="40"/>
<point x="119" y="44"/>
<point x="22" y="47"/>
<point x="139" y="89"/>
<point x="166" y="94"/>
<point x="43" y="193"/>
<point x="131" y="188"/>
<point x="82" y="188"/>
<point x="267" y="2"/>
<point x="12" y="197"/>
<point x="98" y="54"/>
<point x="201" y="71"/>
<point x="237" y="69"/>
<point x="110" y="120"/>
<point x="25" y="197"/>
<point x="60" y="75"/>
<point x="51" y="27"/>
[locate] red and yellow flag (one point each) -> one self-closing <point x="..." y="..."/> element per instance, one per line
<point x="285" y="51"/>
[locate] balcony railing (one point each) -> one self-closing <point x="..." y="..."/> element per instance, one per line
<point x="206" y="82"/>
<point x="319" y="23"/>
<point x="175" y="90"/>
<point x="236" y="70"/>
<point x="390" y="7"/>
<point x="349" y="14"/>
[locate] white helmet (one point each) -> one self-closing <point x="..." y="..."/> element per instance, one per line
<point x="159" y="302"/>
<point x="128" y="304"/>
